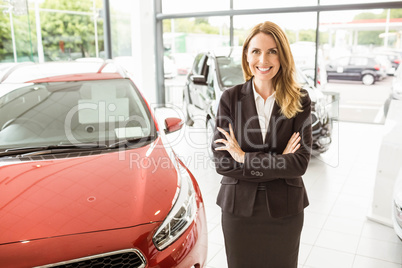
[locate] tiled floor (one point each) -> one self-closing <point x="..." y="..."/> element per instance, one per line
<point x="337" y="232"/>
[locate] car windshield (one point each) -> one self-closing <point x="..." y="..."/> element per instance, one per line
<point x="101" y="112"/>
<point x="230" y="71"/>
<point x="231" y="74"/>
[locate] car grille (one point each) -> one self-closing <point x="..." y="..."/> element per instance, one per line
<point x="129" y="258"/>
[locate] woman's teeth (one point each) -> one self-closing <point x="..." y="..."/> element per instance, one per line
<point x="263" y="69"/>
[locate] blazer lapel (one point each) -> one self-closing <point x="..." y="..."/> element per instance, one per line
<point x="275" y="123"/>
<point x="249" y="118"/>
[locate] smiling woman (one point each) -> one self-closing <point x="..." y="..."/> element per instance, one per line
<point x="262" y="146"/>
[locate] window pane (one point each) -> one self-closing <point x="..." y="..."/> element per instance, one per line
<point x="69" y="30"/>
<point x="183" y="6"/>
<point x="359" y="47"/>
<point x="342" y="2"/>
<point x="183" y="39"/>
<point x="15" y="25"/>
<point x="251" y="4"/>
<point x="120" y="20"/>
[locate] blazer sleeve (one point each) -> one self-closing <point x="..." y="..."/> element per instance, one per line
<point x="261" y="166"/>
<point x="224" y="163"/>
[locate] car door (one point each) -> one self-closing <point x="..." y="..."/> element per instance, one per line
<point x="356" y="67"/>
<point x="337" y="69"/>
<point x="206" y="93"/>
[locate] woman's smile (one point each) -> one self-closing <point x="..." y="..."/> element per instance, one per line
<point x="264" y="70"/>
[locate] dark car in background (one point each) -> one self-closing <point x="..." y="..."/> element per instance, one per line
<point x="367" y="69"/>
<point x="214" y="72"/>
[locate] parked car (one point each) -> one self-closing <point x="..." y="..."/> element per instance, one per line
<point x="87" y="176"/>
<point x="367" y="69"/>
<point x="396" y="89"/>
<point x="215" y="71"/>
<point x="397" y="208"/>
<point x="393" y="57"/>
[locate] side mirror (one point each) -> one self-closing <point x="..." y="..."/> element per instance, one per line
<point x="173" y="124"/>
<point x="198" y="79"/>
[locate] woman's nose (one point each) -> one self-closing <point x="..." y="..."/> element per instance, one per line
<point x="263" y="58"/>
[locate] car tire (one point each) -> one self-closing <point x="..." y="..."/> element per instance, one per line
<point x="210" y="128"/>
<point x="187" y="119"/>
<point x="368" y="79"/>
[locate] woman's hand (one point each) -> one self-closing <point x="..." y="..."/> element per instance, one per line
<point x="231" y="145"/>
<point x="293" y="144"/>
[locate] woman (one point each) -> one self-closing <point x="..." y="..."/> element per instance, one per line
<point x="262" y="148"/>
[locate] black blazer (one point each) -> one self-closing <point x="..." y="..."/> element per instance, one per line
<point x="264" y="163"/>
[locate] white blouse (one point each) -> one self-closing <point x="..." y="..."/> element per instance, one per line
<point x="264" y="111"/>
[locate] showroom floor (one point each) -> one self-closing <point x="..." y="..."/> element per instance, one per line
<point x="337" y="232"/>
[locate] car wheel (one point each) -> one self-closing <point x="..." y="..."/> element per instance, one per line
<point x="187" y="118"/>
<point x="368" y="79"/>
<point x="210" y="135"/>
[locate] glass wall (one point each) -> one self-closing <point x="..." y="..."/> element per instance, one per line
<point x="361" y="50"/>
<point x="186" y="6"/>
<point x="183" y="39"/>
<point x="120" y="20"/>
<point x="16" y="33"/>
<point x="255" y="4"/>
<point x="342" y="2"/>
<point x="68" y="29"/>
<point x="363" y="93"/>
<point x="51" y="30"/>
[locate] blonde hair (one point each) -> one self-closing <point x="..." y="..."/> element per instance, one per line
<point x="288" y="95"/>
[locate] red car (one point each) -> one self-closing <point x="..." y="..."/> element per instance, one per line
<point x="87" y="178"/>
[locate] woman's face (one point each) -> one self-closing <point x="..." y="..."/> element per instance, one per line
<point x="262" y="57"/>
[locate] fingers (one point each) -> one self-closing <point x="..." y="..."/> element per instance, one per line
<point x="296" y="148"/>
<point x="231" y="131"/>
<point x="230" y="139"/>
<point x="221" y="130"/>
<point x="225" y="142"/>
<point x="293" y="143"/>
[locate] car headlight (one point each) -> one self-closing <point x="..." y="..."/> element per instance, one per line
<point x="180" y="216"/>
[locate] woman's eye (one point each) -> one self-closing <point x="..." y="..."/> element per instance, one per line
<point x="273" y="51"/>
<point x="255" y="51"/>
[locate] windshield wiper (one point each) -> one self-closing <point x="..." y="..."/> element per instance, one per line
<point x="49" y="149"/>
<point x="132" y="141"/>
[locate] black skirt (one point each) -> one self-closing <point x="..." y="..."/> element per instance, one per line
<point x="261" y="241"/>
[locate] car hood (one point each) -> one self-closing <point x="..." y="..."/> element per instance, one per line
<point x="51" y="198"/>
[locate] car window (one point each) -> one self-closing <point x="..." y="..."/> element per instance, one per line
<point x="209" y="72"/>
<point x="230" y="71"/>
<point x="198" y="63"/>
<point x="342" y="61"/>
<point x="103" y="111"/>
<point x="358" y="61"/>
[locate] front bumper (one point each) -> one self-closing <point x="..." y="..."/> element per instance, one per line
<point x="189" y="250"/>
